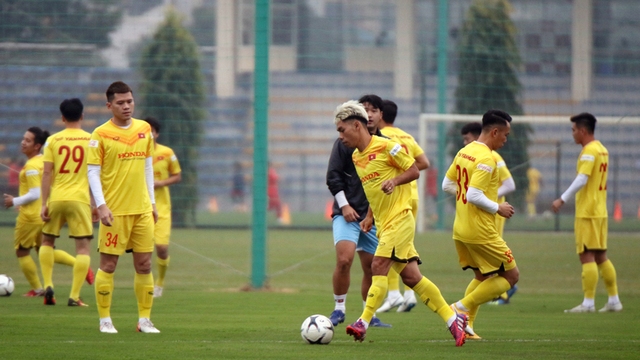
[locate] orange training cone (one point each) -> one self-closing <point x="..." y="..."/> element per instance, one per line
<point x="213" y="205"/>
<point x="328" y="210"/>
<point x="617" y="212"/>
<point x="286" y="215"/>
<point x="638" y="212"/>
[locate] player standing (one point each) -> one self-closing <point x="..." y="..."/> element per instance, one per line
<point x="120" y="168"/>
<point x="410" y="146"/>
<point x="66" y="199"/>
<point x="166" y="172"/>
<point x="383" y="167"/>
<point x="474" y="179"/>
<point x="591" y="222"/>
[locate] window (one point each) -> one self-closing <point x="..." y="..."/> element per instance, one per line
<point x="283" y="22"/>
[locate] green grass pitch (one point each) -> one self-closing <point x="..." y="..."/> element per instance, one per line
<point x="204" y="313"/>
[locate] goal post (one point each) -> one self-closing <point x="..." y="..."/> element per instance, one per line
<point x="619" y="133"/>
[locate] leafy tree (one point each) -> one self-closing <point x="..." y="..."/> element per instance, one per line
<point x="487" y="79"/>
<point x="59" y="21"/>
<point x="173" y="91"/>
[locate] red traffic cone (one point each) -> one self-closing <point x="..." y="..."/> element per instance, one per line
<point x="617" y="212"/>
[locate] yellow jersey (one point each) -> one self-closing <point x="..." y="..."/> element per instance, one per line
<point x="474" y="166"/>
<point x="534" y="176"/>
<point x="382" y="160"/>
<point x="67" y="151"/>
<point x="410" y="145"/>
<point x="503" y="172"/>
<point x="591" y="200"/>
<point x="31" y="177"/>
<point x="165" y="164"/>
<point x="122" y="153"/>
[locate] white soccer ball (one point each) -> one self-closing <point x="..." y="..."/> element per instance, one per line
<point x="317" y="329"/>
<point x="6" y="285"/>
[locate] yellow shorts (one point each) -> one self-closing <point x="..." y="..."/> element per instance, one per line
<point x="489" y="258"/>
<point x="27" y="235"/>
<point x="591" y="234"/>
<point x="127" y="232"/>
<point x="162" y="231"/>
<point x="396" y="240"/>
<point x="75" y="214"/>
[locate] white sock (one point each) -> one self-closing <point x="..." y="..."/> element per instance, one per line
<point x="143" y="319"/>
<point x="392" y="294"/>
<point x="588" y="302"/>
<point x="461" y="307"/>
<point x="105" y="320"/>
<point x="451" y="320"/>
<point x="340" y="302"/>
<point x="614" y="300"/>
<point x="366" y="324"/>
<point x="408" y="294"/>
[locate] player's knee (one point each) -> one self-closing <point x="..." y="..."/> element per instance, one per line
<point x="343" y="263"/>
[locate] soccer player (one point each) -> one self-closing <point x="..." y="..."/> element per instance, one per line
<point x="591" y="222"/>
<point x="470" y="133"/>
<point x="410" y="146"/>
<point x="120" y="170"/>
<point x="474" y="179"/>
<point x="28" y="231"/>
<point x="166" y="172"/>
<point x="66" y="199"/>
<point x="535" y="181"/>
<point x="350" y="206"/>
<point x="382" y="167"/>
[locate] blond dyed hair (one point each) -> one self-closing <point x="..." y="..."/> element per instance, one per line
<point x="350" y="109"/>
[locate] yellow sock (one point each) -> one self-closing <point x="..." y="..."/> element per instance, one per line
<point x="30" y="271"/>
<point x="163" y="264"/>
<point x="63" y="257"/>
<point x="80" y="270"/>
<point x="431" y="296"/>
<point x="486" y="291"/>
<point x="143" y="286"/>
<point x="609" y="276"/>
<point x="104" y="293"/>
<point x="45" y="254"/>
<point x="531" y="209"/>
<point x="375" y="297"/>
<point x="394" y="280"/>
<point x="589" y="279"/>
<point x="473" y="312"/>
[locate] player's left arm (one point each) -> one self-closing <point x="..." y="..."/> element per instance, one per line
<point x="586" y="163"/>
<point x="148" y="174"/>
<point x="33" y="183"/>
<point x="401" y="160"/>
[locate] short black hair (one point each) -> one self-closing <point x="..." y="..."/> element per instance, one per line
<point x="374" y="100"/>
<point x="389" y="111"/>
<point x="475" y="128"/>
<point x="495" y="117"/>
<point x="585" y="120"/>
<point x="39" y="136"/>
<point x="71" y="109"/>
<point x="154" y="123"/>
<point x="117" y="87"/>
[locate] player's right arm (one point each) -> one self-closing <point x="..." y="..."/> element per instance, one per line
<point x="335" y="182"/>
<point x="46" y="190"/>
<point x="94" y="165"/>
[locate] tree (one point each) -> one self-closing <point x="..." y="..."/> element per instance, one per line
<point x="173" y="91"/>
<point x="487" y="79"/>
<point x="59" y="21"/>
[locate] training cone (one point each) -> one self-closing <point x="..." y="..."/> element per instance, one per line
<point x="286" y="215"/>
<point x="617" y="212"/>
<point x="328" y="210"/>
<point x="639" y="212"/>
<point x="213" y="205"/>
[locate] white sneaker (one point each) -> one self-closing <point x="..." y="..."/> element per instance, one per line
<point x="581" y="309"/>
<point x="408" y="304"/>
<point x="390" y="304"/>
<point x="617" y="307"/>
<point x="108" y="328"/>
<point x="157" y="291"/>
<point x="146" y="326"/>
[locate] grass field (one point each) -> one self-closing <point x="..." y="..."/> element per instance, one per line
<point x="204" y="314"/>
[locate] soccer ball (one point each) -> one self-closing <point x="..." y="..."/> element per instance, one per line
<point x="6" y="285"/>
<point x="317" y="329"/>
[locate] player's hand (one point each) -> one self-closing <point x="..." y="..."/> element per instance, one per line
<point x="156" y="184"/>
<point x="44" y="213"/>
<point x="8" y="200"/>
<point x="388" y="186"/>
<point x="155" y="213"/>
<point x="556" y="205"/>
<point x="95" y="217"/>
<point x="350" y="215"/>
<point x="505" y="210"/>
<point x="105" y="215"/>
<point x="366" y="224"/>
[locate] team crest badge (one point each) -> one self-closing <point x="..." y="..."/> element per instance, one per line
<point x="140" y="135"/>
<point x="372" y="157"/>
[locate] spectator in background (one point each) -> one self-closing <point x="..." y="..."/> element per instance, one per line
<point x="272" y="192"/>
<point x="238" y="188"/>
<point x="535" y="183"/>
